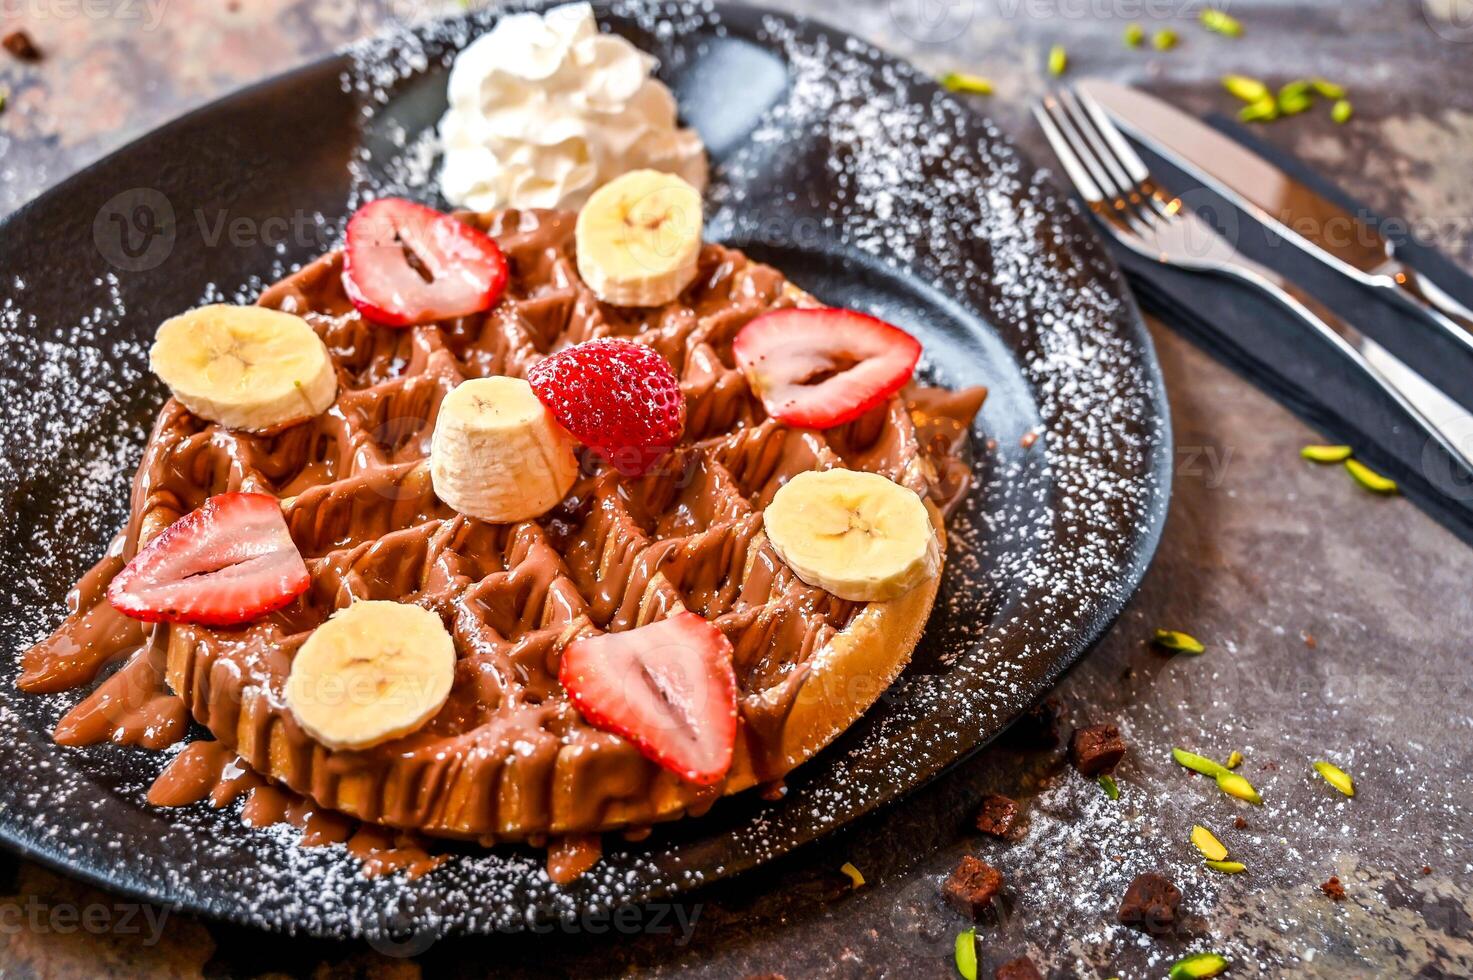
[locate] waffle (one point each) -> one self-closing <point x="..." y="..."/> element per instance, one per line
<point x="508" y="757"/>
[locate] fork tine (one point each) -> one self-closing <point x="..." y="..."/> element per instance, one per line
<point x="1082" y="150"/>
<point x="1083" y="183"/>
<point x="1134" y="165"/>
<point x="1151" y="190"/>
<point x="1129" y="185"/>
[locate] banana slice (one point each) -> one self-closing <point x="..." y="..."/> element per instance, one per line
<point x="373" y="672"/>
<point x="857" y="535"/>
<point x="497" y="452"/>
<point x="638" y="238"/>
<point x="245" y="367"/>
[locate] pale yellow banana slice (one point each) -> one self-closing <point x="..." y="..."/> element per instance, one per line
<point x="245" y="367"/>
<point x="497" y="452"/>
<point x="638" y="238"/>
<point x="373" y="672"/>
<point x="857" y="535"/>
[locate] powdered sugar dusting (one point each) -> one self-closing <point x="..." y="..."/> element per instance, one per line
<point x="1042" y="553"/>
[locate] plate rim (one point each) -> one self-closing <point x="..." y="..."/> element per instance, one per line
<point x="1154" y="512"/>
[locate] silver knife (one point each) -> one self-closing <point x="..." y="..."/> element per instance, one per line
<point x="1320" y="227"/>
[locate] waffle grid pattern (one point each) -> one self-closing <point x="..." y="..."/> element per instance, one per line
<point x="508" y="756"/>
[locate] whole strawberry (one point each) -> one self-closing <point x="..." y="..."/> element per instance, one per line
<point x="619" y="398"/>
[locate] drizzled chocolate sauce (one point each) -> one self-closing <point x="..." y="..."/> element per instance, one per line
<point x="507" y="758"/>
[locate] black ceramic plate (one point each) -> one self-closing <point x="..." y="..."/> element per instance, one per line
<point x="849" y="170"/>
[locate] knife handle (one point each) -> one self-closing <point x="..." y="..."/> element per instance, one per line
<point x="1425" y="294"/>
<point x="1445" y="422"/>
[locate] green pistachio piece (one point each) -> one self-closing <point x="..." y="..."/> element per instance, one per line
<point x="1336" y="777"/>
<point x="1234" y="785"/>
<point x="1369" y="478"/>
<point x="1199" y="763"/>
<point x="1177" y="642"/>
<point x="1058" y="60"/>
<point x="966" y="954"/>
<point x="1198" y="966"/>
<point x="1326" y="454"/>
<point x="1250" y="90"/>
<point x="958" y="81"/>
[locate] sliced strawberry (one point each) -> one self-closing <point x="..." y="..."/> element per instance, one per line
<point x="229" y="562"/>
<point x="667" y="687"/>
<point x="407" y="264"/>
<point x="620" y="398"/>
<point x="816" y="368"/>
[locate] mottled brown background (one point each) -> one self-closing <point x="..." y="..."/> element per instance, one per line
<point x="1260" y="550"/>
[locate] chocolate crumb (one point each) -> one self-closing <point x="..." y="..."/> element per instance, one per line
<point x="1426" y="869"/>
<point x="998" y="816"/>
<point x="19" y="43"/>
<point x="972" y="887"/>
<point x="1021" y="968"/>
<point x="1269" y="767"/>
<point x="1096" y="749"/>
<point x="1239" y="823"/>
<point x="1334" y="889"/>
<point x="1309" y="641"/>
<point x="1150" y="904"/>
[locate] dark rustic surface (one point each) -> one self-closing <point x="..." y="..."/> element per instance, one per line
<point x="1337" y="623"/>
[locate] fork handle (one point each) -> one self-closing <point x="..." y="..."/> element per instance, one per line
<point x="1444" y="420"/>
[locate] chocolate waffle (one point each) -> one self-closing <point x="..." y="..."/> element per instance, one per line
<point x="508" y="757"/>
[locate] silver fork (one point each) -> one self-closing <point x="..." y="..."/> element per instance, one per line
<point x="1146" y="218"/>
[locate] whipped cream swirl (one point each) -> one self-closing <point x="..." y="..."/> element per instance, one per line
<point x="544" y="109"/>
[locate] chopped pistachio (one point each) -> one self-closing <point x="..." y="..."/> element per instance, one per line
<point x="1295" y="98"/>
<point x="1341" y="111"/>
<point x="1227" y="867"/>
<point x="1199" y="763"/>
<point x="1369" y="478"/>
<point x="1234" y="759"/>
<point x="1250" y="90"/>
<point x="1327" y="88"/>
<point x="854" y="876"/>
<point x="4" y="97"/>
<point x="1234" y="785"/>
<point x="1212" y="849"/>
<point x="1336" y="777"/>
<point x="1058" y="60"/>
<point x="966" y="953"/>
<point x="1220" y="22"/>
<point x="1177" y="642"/>
<point x="1198" y="966"/>
<point x="1134" y="35"/>
<point x="1326" y="454"/>
<point x="1264" y="110"/>
<point x="1107" y="783"/>
<point x="958" y="81"/>
<point x="1165" y="40"/>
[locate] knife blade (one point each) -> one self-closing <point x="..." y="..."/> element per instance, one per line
<point x="1318" y="226"/>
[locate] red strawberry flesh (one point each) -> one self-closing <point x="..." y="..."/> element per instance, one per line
<point x="667" y="687"/>
<point x="817" y="368"/>
<point x="227" y="563"/>
<point x="620" y="398"/>
<point x="407" y="264"/>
